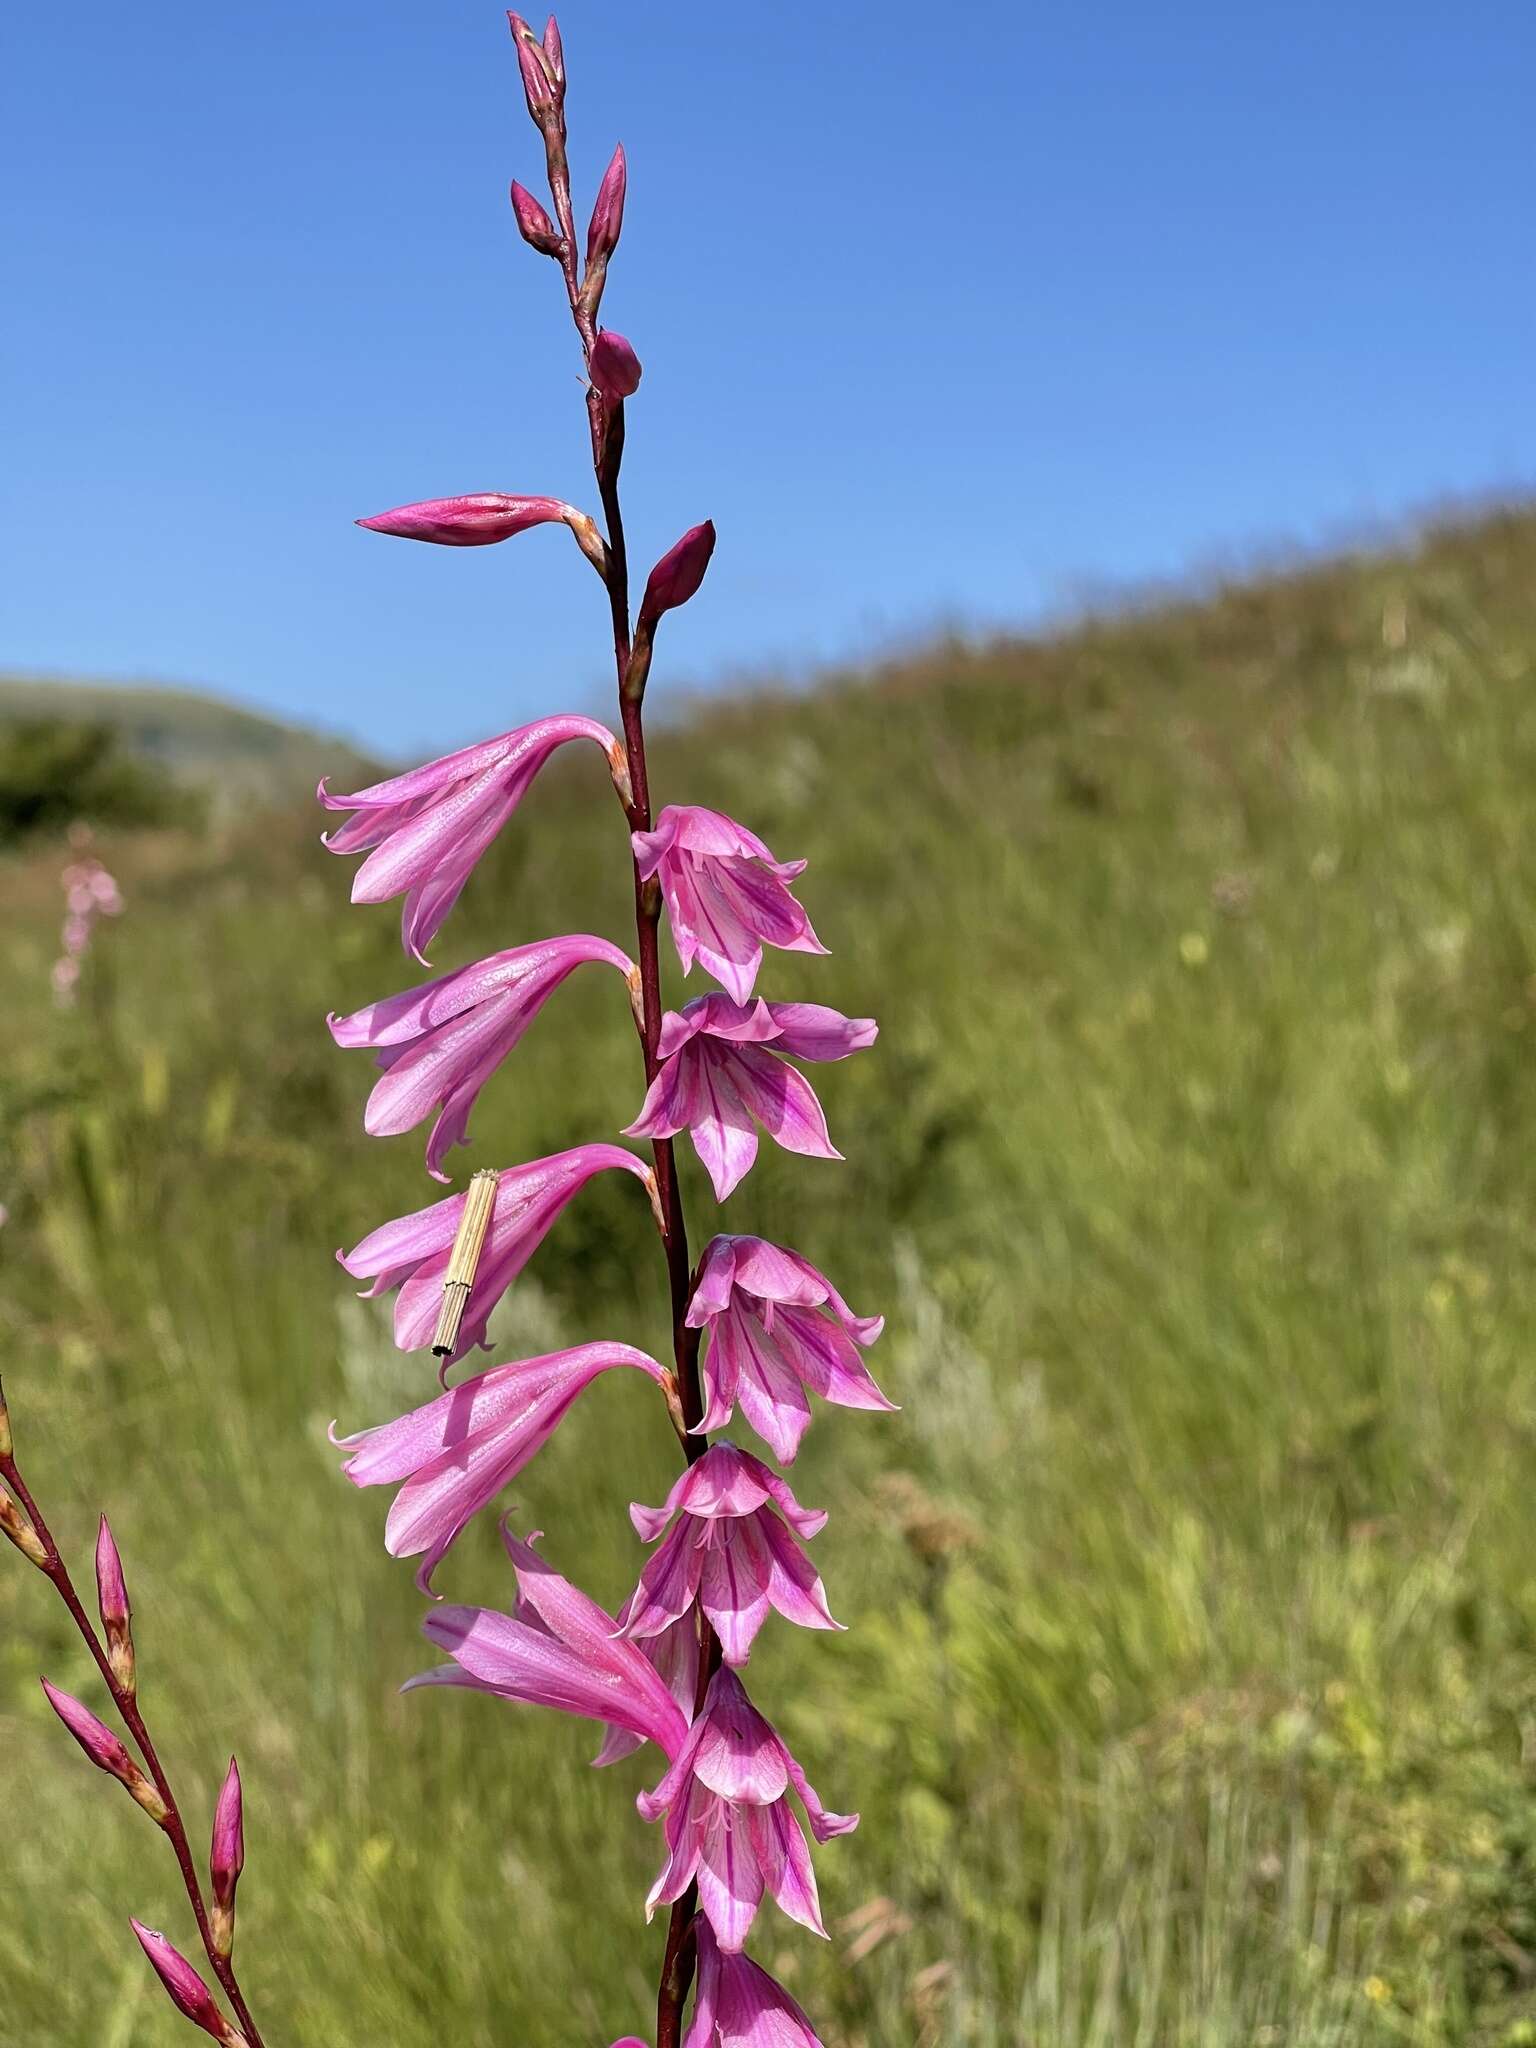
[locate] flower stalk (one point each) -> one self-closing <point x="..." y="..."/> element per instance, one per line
<point x="149" y="1786"/>
<point x="727" y="1548"/>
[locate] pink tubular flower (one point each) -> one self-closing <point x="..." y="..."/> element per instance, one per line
<point x="673" y="1654"/>
<point x="729" y="1824"/>
<point x="456" y="1453"/>
<point x="412" y="1252"/>
<point x="426" y="829"/>
<point x="719" y="1071"/>
<point x="729" y="1552"/>
<point x="738" y="2005"/>
<point x="188" y="1993"/>
<point x="776" y="1328"/>
<point x="727" y="897"/>
<point x="614" y="367"/>
<point x="675" y="577"/>
<point x="475" y="521"/>
<point x="559" y="1650"/>
<point x="441" y="1043"/>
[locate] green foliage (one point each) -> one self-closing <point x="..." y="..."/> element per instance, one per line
<point x="1190" y="1689"/>
<point x="54" y="771"/>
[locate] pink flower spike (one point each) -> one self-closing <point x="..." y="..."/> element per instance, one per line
<point x="726" y="895"/>
<point x="607" y="220"/>
<point x="738" y="2005"/>
<point x="439" y="1044"/>
<point x="534" y="224"/>
<point x="777" y="1330"/>
<point x="559" y="1650"/>
<point x="188" y="1993"/>
<point x="729" y="1553"/>
<point x="614" y="367"/>
<point x="427" y="828"/>
<point x="412" y="1252"/>
<point x="728" y="1824"/>
<point x="720" y="1072"/>
<point x="676" y="576"/>
<point x="456" y="1453"/>
<point x="471" y="522"/>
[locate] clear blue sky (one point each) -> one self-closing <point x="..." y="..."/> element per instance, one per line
<point x="946" y="315"/>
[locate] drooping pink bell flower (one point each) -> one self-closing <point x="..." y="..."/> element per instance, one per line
<point x="719" y="1070"/>
<point x="427" y="828"/>
<point x="729" y="1552"/>
<point x="439" y="1044"/>
<point x="457" y="1452"/>
<point x="559" y="1650"/>
<point x="188" y="1993"/>
<point x="776" y="1329"/>
<point x="614" y="367"/>
<point x="727" y="897"/>
<point x="729" y="1823"/>
<point x="412" y="1252"/>
<point x="476" y="520"/>
<point x="738" y="2005"/>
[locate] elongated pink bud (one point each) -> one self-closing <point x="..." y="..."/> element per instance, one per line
<point x="543" y="87"/>
<point x="116" y="1614"/>
<point x="469" y="522"/>
<point x="607" y="220"/>
<point x="227" y="1858"/>
<point x="677" y="575"/>
<point x="188" y="1993"/>
<point x="104" y="1749"/>
<point x="554" y="54"/>
<point x="534" y="224"/>
<point x="614" y="367"/>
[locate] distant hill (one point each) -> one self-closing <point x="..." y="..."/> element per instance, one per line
<point x="238" y="756"/>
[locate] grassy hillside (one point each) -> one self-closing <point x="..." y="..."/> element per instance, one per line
<point x="237" y="756"/>
<point x="1190" y="1689"/>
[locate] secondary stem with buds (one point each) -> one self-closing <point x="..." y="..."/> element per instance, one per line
<point x="54" y="1569"/>
<point x="606" y="422"/>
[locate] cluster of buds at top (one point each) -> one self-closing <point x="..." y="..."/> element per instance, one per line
<point x="728" y="1546"/>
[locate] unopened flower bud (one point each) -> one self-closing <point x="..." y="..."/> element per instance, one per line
<point x="227" y="1859"/>
<point x="472" y="522"/>
<point x="15" y="1526"/>
<point x="116" y="1614"/>
<point x="554" y="54"/>
<point x="104" y="1749"/>
<point x="677" y="575"/>
<point x="188" y="1993"/>
<point x="613" y="366"/>
<point x="543" y="84"/>
<point x="607" y="222"/>
<point x="7" y="1447"/>
<point x="534" y="224"/>
<point x="603" y="231"/>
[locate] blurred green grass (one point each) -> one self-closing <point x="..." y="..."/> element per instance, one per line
<point x="1190" y="1692"/>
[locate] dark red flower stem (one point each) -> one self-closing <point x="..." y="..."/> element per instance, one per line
<point x="606" y="423"/>
<point x="56" y="1572"/>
